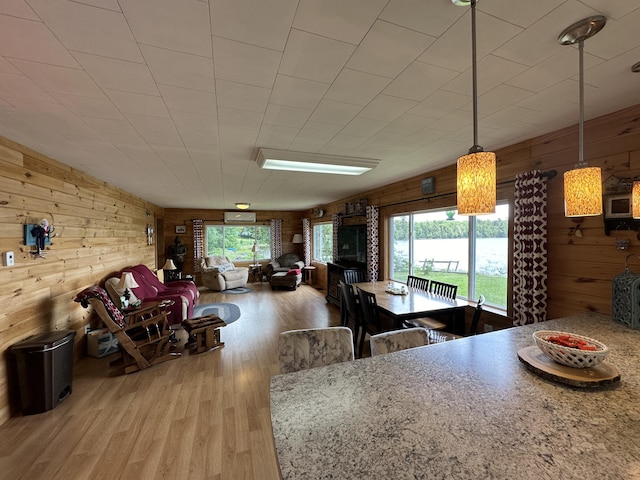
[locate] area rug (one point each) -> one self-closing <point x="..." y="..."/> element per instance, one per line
<point x="238" y="291"/>
<point x="229" y="312"/>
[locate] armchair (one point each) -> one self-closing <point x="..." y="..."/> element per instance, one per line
<point x="143" y="343"/>
<point x="218" y="273"/>
<point x="284" y="263"/>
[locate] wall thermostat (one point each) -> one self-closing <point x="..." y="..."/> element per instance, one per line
<point x="7" y="259"/>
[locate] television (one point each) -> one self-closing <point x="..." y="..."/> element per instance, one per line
<point x="352" y="245"/>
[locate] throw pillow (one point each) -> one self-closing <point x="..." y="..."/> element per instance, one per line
<point x="294" y="271"/>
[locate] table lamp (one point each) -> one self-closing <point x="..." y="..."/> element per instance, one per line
<point x="126" y="282"/>
<point x="170" y="267"/>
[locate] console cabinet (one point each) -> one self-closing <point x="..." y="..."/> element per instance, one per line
<point x="335" y="273"/>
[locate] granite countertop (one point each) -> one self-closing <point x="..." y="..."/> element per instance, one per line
<point x="466" y="409"/>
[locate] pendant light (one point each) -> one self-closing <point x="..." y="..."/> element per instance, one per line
<point x="583" y="184"/>
<point x="476" y="185"/>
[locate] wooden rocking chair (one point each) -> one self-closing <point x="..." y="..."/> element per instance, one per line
<point x="143" y="343"/>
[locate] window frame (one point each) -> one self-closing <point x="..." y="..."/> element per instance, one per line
<point x="258" y="257"/>
<point x="315" y="246"/>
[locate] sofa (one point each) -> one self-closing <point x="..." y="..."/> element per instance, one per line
<point x="150" y="289"/>
<point x="219" y="273"/>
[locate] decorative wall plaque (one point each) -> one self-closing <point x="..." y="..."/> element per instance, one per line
<point x="428" y="185"/>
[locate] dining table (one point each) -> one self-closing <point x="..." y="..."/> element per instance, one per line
<point x="465" y="409"/>
<point x="414" y="303"/>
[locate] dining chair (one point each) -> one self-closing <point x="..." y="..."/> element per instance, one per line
<point x="349" y="310"/>
<point x="354" y="276"/>
<point x="370" y="317"/>
<point x="473" y="330"/>
<point x="418" y="283"/>
<point x="314" y="347"/>
<point x="394" y="341"/>
<point x="446" y="290"/>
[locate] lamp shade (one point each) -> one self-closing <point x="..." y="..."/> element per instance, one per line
<point x="476" y="187"/>
<point x="127" y="281"/>
<point x="583" y="192"/>
<point x="635" y="200"/>
<point x="297" y="238"/>
<point x="243" y="205"/>
<point x="169" y="265"/>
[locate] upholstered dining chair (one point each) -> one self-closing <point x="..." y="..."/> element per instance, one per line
<point x="349" y="310"/>
<point x="314" y="347"/>
<point x="394" y="341"/>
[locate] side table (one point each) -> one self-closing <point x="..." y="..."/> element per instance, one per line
<point x="308" y="274"/>
<point x="256" y="272"/>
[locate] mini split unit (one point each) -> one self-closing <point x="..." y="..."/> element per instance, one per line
<point x="239" y="217"/>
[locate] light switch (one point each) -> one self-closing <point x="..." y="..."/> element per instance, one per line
<point x="7" y="259"/>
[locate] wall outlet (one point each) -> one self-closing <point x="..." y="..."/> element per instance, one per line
<point x="488" y="328"/>
<point x="8" y="259"/>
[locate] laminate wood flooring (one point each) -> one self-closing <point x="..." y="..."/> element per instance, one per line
<point x="203" y="416"/>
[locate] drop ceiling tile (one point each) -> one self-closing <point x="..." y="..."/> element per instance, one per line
<point x="337" y="113"/>
<point x="89" y="29"/>
<point x="230" y="117"/>
<point x="241" y="96"/>
<point x="452" y="122"/>
<point x="505" y="117"/>
<point x="59" y="79"/>
<point x="492" y="71"/>
<point x="386" y="108"/>
<point x="314" y="57"/>
<point x="89" y="107"/>
<point x="106" y="4"/>
<point x="319" y="131"/>
<point x="426" y="136"/>
<point x="18" y="8"/>
<point x="614" y="39"/>
<point x="118" y="74"/>
<point x="187" y="100"/>
<point x="342" y="144"/>
<point x="244" y="63"/>
<point x="440" y="103"/>
<point x="190" y="123"/>
<point x="21" y="86"/>
<point x="179" y="69"/>
<point x="179" y="26"/>
<point x="36" y="42"/>
<point x="284" y="116"/>
<point x="345" y="21"/>
<point x="267" y="26"/>
<point x="613" y="10"/>
<point x="522" y="14"/>
<point x="388" y="49"/>
<point x="419" y="81"/>
<point x="297" y="92"/>
<point x="499" y="98"/>
<point x="153" y="128"/>
<point x="276" y="136"/>
<point x="431" y="18"/>
<point x="7" y="67"/>
<point x="141" y="104"/>
<point x="386" y="139"/>
<point x="452" y="50"/>
<point x="357" y="88"/>
<point x="408" y="123"/>
<point x="363" y="127"/>
<point x="539" y="41"/>
<point x="110" y="126"/>
<point x="301" y="144"/>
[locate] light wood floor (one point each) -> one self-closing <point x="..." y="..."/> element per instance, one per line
<point x="201" y="416"/>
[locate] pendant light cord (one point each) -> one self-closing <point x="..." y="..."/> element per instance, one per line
<point x="581" y="125"/>
<point x="476" y="148"/>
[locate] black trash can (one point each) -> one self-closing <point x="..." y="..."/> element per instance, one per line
<point x="45" y="364"/>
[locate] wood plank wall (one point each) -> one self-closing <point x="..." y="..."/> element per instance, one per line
<point x="580" y="270"/>
<point x="291" y="224"/>
<point x="99" y="228"/>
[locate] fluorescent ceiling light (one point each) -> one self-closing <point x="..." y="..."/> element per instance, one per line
<point x="313" y="163"/>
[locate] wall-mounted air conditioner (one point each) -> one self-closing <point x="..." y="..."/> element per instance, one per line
<point x="239" y="217"/>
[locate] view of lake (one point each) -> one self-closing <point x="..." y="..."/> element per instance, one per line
<point x="491" y="253"/>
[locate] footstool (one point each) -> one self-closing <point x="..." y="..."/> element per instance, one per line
<point x="204" y="333"/>
<point x="283" y="279"/>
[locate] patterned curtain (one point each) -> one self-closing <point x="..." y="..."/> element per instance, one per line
<point x="373" y="245"/>
<point x="276" y="238"/>
<point x="530" y="249"/>
<point x="306" y="240"/>
<point x="336" y="219"/>
<point x="198" y="244"/>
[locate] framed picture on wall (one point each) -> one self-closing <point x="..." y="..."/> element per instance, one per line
<point x="181" y="229"/>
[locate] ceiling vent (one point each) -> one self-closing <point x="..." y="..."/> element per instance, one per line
<point x="239" y="217"/>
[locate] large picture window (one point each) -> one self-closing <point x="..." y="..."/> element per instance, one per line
<point x="236" y="242"/>
<point x="471" y="252"/>
<point x="323" y="242"/>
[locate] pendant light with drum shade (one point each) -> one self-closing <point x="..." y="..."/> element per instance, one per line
<point x="583" y="184"/>
<point x="476" y="172"/>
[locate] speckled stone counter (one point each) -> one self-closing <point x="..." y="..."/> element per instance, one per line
<point x="466" y="409"/>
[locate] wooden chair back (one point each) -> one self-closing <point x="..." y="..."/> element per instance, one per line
<point x="418" y="283"/>
<point x="354" y="276"/>
<point x="442" y="289"/>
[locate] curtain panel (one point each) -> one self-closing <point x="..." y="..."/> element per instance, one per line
<point x="306" y="240"/>
<point x="198" y="243"/>
<point x="373" y="242"/>
<point x="276" y="238"/>
<point x="530" y="249"/>
<point x="336" y="219"/>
